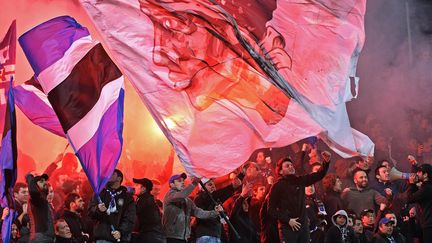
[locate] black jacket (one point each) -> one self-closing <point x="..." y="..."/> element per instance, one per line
<point x="41" y="215"/>
<point x="148" y="214"/>
<point x="76" y="226"/>
<point x="269" y="226"/>
<point x="212" y="226"/>
<point x="287" y="196"/>
<point x="122" y="220"/>
<point x="423" y="197"/>
<point x="243" y="224"/>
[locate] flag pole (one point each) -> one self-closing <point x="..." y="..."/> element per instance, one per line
<point x="222" y="214"/>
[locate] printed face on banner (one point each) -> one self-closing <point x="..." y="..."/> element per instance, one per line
<point x="200" y="62"/>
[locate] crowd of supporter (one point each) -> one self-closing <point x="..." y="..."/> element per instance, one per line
<point x="300" y="195"/>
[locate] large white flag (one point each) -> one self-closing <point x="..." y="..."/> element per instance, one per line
<point x="225" y="78"/>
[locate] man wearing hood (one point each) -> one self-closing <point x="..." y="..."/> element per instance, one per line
<point x="338" y="233"/>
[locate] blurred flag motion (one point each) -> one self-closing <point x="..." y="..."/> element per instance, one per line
<point x="84" y="88"/>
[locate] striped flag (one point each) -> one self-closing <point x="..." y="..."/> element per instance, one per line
<point x="85" y="89"/>
<point x="34" y="103"/>
<point x="8" y="153"/>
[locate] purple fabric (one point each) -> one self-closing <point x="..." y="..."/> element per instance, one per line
<point x="99" y="156"/>
<point x="7" y="226"/>
<point x="46" y="43"/>
<point x="37" y="111"/>
<point x="8" y="156"/>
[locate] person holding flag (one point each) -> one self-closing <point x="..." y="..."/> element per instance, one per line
<point x="8" y="153"/>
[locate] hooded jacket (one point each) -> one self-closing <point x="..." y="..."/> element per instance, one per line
<point x="338" y="233"/>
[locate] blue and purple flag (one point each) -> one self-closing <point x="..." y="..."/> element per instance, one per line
<point x="84" y="88"/>
<point x="34" y="103"/>
<point x="8" y="152"/>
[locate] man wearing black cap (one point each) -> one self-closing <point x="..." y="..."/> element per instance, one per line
<point x="41" y="215"/>
<point x="148" y="214"/>
<point x="178" y="208"/>
<point x="422" y="195"/>
<point x="115" y="213"/>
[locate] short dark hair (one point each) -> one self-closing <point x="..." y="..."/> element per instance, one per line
<point x="280" y="163"/>
<point x="70" y="198"/>
<point x="18" y="186"/>
<point x="384" y="160"/>
<point x="357" y="159"/>
<point x="377" y="170"/>
<point x="119" y="174"/>
<point x="56" y="224"/>
<point x="357" y="170"/>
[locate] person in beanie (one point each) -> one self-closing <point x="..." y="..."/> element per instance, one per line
<point x="178" y="209"/>
<point x="287" y="200"/>
<point x="114" y="212"/>
<point x="422" y="195"/>
<point x="41" y="215"/>
<point x="148" y="214"/>
<point x="338" y="233"/>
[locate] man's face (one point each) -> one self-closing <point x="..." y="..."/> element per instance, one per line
<point x="338" y="185"/>
<point x="14" y="231"/>
<point x="78" y="205"/>
<point x="139" y="189"/>
<point x="260" y="159"/>
<point x="156" y="190"/>
<point x="361" y="179"/>
<point x="358" y="226"/>
<point x="287" y="169"/>
<point x="245" y="206"/>
<point x="368" y="219"/>
<point x="383" y="174"/>
<point x="363" y="164"/>
<point x="260" y="192"/>
<point x="42" y="184"/>
<point x="421" y="176"/>
<point x="23" y="195"/>
<point x="392" y="217"/>
<point x="210" y="185"/>
<point x="386" y="229"/>
<point x="340" y="220"/>
<point x="178" y="184"/>
<point x="63" y="229"/>
<point x="114" y="179"/>
<point x="251" y="171"/>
